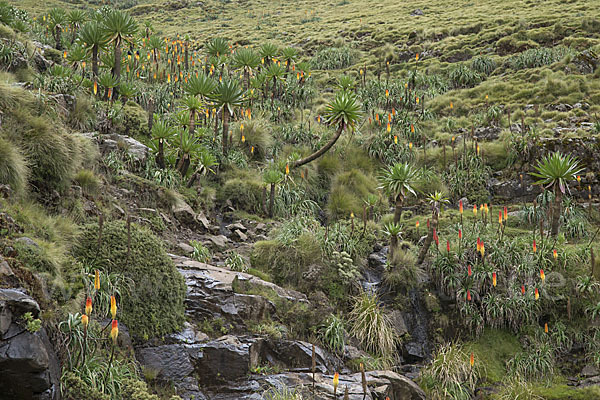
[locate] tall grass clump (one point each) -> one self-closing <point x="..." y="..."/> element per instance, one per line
<point x="450" y="375"/>
<point x="13" y="166"/>
<point x="370" y="324"/>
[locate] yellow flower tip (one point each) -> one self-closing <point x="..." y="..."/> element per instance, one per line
<point x="113" y="306"/>
<point x="97" y="280"/>
<point x="336" y="380"/>
<point x="85" y="320"/>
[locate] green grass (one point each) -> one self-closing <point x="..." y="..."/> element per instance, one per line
<point x="493" y="348"/>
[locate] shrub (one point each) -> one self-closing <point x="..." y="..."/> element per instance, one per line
<point x="334" y="58"/>
<point x="485" y="65"/>
<point x="372" y="326"/>
<point x="349" y="190"/>
<point x="13" y="167"/>
<point x="75" y="389"/>
<point x="464" y="77"/>
<point x="282" y="393"/>
<point x="534" y="58"/>
<point x="257" y="134"/>
<point x="244" y="190"/>
<point x="155" y="306"/>
<point x="135" y="120"/>
<point x="88" y="181"/>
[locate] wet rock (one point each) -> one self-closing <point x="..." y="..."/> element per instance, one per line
<point x="30" y="368"/>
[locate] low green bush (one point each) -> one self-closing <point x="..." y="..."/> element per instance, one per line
<point x="155" y="306"/>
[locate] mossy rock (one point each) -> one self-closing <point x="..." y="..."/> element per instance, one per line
<point x="154" y="307"/>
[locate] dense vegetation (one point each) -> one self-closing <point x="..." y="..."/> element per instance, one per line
<point x="470" y="151"/>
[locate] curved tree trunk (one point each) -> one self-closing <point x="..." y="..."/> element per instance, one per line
<point x="398" y="210"/>
<point x="225" y="129"/>
<point x="429" y="239"/>
<point x="556" y="210"/>
<point x="322" y="150"/>
<point x="57" y="37"/>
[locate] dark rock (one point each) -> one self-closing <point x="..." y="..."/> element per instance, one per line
<point x="223" y="360"/>
<point x="295" y="356"/>
<point x="211" y="294"/>
<point x="30" y="368"/>
<point x="414" y="352"/>
<point x="173" y="363"/>
<point x="416" y="12"/>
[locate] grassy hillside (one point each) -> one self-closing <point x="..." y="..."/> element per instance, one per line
<point x="410" y="110"/>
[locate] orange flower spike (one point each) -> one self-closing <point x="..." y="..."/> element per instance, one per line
<point x="287" y="169"/>
<point x="95" y="88"/>
<point x="546" y="327"/>
<point x="114" y="331"/>
<point x="417" y="57"/>
<point x="468" y="295"/>
<point x="522" y="289"/>
<point x="475" y="209"/>
<point x="410" y="146"/>
<point x="395" y="139"/>
<point x="417" y="224"/>
<point x="387" y="93"/>
<point x="469" y="270"/>
<point x="537" y="293"/>
<point x="482" y="249"/>
<point x="460" y="234"/>
<point x="451" y="105"/>
<point x="460" y="207"/>
<point x="412" y="128"/>
<point x="113" y="306"/>
<point x="88" y="306"/>
<point x="390" y="117"/>
<point x="448" y="246"/>
<point x="97" y="280"/>
<point x="472" y="360"/>
<point x="554" y="254"/>
<point x="336" y="381"/>
<point x="534" y="246"/>
<point x="478" y="245"/>
<point x="505" y="213"/>
<point x="499" y="217"/>
<point x="85" y="320"/>
<point x="494" y="280"/>
<point x="542" y="275"/>
<point x="389" y="127"/>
